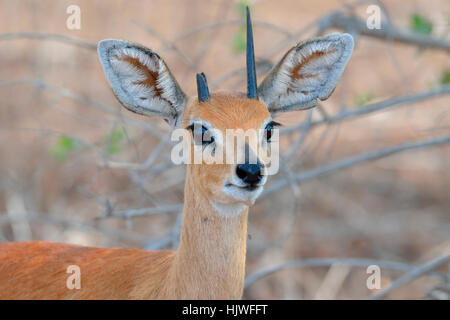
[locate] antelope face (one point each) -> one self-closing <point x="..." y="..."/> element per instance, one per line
<point x="233" y="135"/>
<point x="143" y="83"/>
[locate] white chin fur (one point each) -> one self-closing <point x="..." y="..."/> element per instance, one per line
<point x="229" y="210"/>
<point x="245" y="198"/>
<point x="242" y="194"/>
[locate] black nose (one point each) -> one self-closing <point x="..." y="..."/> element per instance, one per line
<point x="250" y="173"/>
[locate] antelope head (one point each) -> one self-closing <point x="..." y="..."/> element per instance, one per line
<point x="144" y="84"/>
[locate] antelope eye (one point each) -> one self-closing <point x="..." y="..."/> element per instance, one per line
<point x="201" y="134"/>
<point x="269" y="129"/>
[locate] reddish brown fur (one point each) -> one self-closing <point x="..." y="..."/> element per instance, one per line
<point x="296" y="71"/>
<point x="210" y="261"/>
<point x="150" y="76"/>
<point x="37" y="270"/>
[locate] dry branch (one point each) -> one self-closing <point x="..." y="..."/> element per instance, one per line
<point x="77" y="224"/>
<point x="211" y="26"/>
<point x="346" y="114"/>
<point x="413" y="274"/>
<point x="350" y="23"/>
<point x="48" y="36"/>
<point x="338" y="20"/>
<point x="66" y="93"/>
<point x="138" y="166"/>
<point x="327" y="262"/>
<point x="132" y="213"/>
<point x="351" y="161"/>
<point x="169" y="44"/>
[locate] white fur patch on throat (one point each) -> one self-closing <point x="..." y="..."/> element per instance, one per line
<point x="229" y="210"/>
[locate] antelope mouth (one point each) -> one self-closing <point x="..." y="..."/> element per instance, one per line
<point x="246" y="194"/>
<point x="249" y="188"/>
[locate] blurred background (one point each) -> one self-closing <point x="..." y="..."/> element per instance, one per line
<point x="75" y="167"/>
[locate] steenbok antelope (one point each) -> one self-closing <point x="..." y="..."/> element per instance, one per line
<point x="210" y="260"/>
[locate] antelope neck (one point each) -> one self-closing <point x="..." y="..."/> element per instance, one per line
<point x="210" y="261"/>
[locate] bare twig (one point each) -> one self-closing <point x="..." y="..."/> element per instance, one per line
<point x="351" y="161"/>
<point x="132" y="213"/>
<point x="169" y="44"/>
<point x="17" y="214"/>
<point x="411" y="275"/>
<point x="176" y="231"/>
<point x="346" y="114"/>
<point x="212" y="37"/>
<point x="301" y="137"/>
<point x="327" y="262"/>
<point x="333" y="281"/>
<point x="48" y="36"/>
<point x="262" y="66"/>
<point x="112" y="233"/>
<point x="66" y="93"/>
<point x="138" y="166"/>
<point x="340" y="20"/>
<point x="237" y="22"/>
<point x="159" y="244"/>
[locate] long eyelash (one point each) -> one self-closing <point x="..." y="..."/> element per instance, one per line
<point x="275" y="124"/>
<point x="212" y="139"/>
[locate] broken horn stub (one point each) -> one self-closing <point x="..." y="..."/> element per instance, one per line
<point x="202" y="88"/>
<point x="252" y="91"/>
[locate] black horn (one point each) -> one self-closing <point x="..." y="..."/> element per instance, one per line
<point x="202" y="88"/>
<point x="252" y="92"/>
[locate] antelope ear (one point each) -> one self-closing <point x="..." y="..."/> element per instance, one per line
<point x="307" y="72"/>
<point x="141" y="80"/>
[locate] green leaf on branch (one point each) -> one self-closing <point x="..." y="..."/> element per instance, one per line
<point x="239" y="38"/>
<point x="445" y="77"/>
<point x="239" y="42"/>
<point x="241" y="8"/>
<point x="420" y="24"/>
<point x="63" y="147"/>
<point x="115" y="140"/>
<point x="363" y="99"/>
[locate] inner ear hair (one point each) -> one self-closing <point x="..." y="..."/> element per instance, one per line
<point x="307" y="72"/>
<point x="141" y="80"/>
